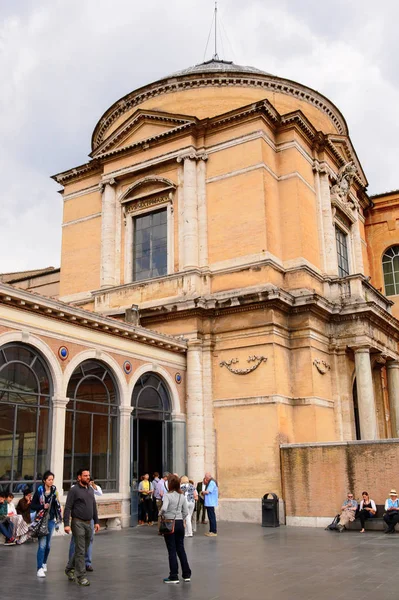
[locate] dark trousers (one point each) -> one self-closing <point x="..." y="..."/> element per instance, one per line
<point x="147" y="509"/>
<point x="7" y="528"/>
<point x="212" y="519"/>
<point x="364" y="515"/>
<point x="154" y="510"/>
<point x="175" y="545"/>
<point x="200" y="510"/>
<point x="391" y="518"/>
<point x="81" y="532"/>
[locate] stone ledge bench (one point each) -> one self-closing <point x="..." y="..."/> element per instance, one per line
<point x="377" y="523"/>
<point x="110" y="513"/>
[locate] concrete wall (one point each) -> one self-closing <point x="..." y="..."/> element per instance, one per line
<point x="317" y="477"/>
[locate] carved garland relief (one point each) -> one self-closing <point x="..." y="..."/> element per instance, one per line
<point x="251" y="359"/>
<point x="321" y="366"/>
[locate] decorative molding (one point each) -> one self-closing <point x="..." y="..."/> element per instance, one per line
<point x="340" y="192"/>
<point x="147" y="203"/>
<point x="82" y="219"/>
<point x="256" y="359"/>
<point x="321" y="366"/>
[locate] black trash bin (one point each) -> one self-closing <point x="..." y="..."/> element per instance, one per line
<point x="270" y="510"/>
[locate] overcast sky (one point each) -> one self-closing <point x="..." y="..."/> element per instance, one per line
<point x="64" y="62"/>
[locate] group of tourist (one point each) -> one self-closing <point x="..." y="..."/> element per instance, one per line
<point x="199" y="500"/>
<point x="38" y="516"/>
<point x="367" y="509"/>
<point x="15" y="520"/>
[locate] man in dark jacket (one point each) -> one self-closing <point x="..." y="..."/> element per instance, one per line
<point x="81" y="505"/>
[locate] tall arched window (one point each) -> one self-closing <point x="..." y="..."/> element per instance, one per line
<point x="25" y="394"/>
<point x="390" y="266"/>
<point x="91" y="427"/>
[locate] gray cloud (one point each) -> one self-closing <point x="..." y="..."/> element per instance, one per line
<point x="63" y="63"/>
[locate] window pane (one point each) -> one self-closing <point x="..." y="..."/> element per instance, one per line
<point x="390" y="290"/>
<point x="6" y="435"/>
<point x="42" y="441"/>
<point x="25" y="442"/>
<point x="18" y="377"/>
<point x="68" y="474"/>
<point x="100" y="446"/>
<point x="82" y="440"/>
<point x="150" y="245"/>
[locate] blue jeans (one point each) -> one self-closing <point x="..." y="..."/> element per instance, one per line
<point x="6" y="528"/>
<point x="44" y="546"/>
<point x="212" y="519"/>
<point x="89" y="553"/>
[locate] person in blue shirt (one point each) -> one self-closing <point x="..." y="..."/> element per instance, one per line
<point x="391" y="516"/>
<point x="211" y="495"/>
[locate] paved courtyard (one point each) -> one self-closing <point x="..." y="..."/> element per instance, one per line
<point x="243" y="562"/>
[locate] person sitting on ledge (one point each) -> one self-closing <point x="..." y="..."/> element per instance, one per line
<point x="367" y="509"/>
<point x="348" y="512"/>
<point x="391" y="517"/>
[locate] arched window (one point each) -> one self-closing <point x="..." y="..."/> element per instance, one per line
<point x="91" y="427"/>
<point x="151" y="398"/>
<point x="25" y="393"/>
<point x="390" y="266"/>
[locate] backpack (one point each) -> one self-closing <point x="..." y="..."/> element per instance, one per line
<point x="333" y="526"/>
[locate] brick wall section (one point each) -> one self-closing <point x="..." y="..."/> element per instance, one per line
<point x="317" y="477"/>
<point x="109" y="508"/>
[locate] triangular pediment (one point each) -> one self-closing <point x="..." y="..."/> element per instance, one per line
<point x="142" y="126"/>
<point x="344" y="148"/>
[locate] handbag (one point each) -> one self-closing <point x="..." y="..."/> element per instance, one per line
<point x="39" y="527"/>
<point x="167" y="526"/>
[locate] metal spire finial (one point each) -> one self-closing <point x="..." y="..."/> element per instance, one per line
<point x="216" y="56"/>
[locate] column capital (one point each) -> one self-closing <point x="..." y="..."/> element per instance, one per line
<point x="192" y="155"/>
<point x="59" y="401"/>
<point x="111" y="182"/>
<point x="361" y="349"/>
<point x="392" y="363"/>
<point x="125" y="411"/>
<point x="194" y="344"/>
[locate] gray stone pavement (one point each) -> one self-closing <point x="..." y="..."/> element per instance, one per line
<point x="245" y="561"/>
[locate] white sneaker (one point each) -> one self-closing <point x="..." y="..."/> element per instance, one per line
<point x="44" y="568"/>
<point x="41" y="573"/>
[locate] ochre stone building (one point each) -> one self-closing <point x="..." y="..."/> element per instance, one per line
<point x="222" y="228"/>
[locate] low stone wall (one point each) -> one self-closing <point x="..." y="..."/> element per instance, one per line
<point x="317" y="477"/>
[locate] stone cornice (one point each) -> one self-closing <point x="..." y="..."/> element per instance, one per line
<point x="186" y="82"/>
<point x="54" y="309"/>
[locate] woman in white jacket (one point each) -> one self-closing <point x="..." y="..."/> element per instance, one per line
<point x="367" y="510"/>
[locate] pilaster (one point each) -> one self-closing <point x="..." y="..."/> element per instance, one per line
<point x="58" y="440"/>
<point x="330" y="248"/>
<point x="195" y="411"/>
<point x="125" y="413"/>
<point x="108" y="227"/>
<point x="365" y="394"/>
<point x="393" y="394"/>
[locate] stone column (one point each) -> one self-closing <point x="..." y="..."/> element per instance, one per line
<point x="202" y="212"/>
<point x="58" y="441"/>
<point x="330" y="246"/>
<point x="124" y="449"/>
<point x="195" y="411"/>
<point x="108" y="225"/>
<point x="365" y="394"/>
<point x="393" y="394"/>
<point x="357" y="247"/>
<point x="190" y="211"/>
<point x="209" y="424"/>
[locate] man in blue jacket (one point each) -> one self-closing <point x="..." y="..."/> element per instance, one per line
<point x="211" y="495"/>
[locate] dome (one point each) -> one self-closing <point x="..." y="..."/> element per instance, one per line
<point x="217" y="66"/>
